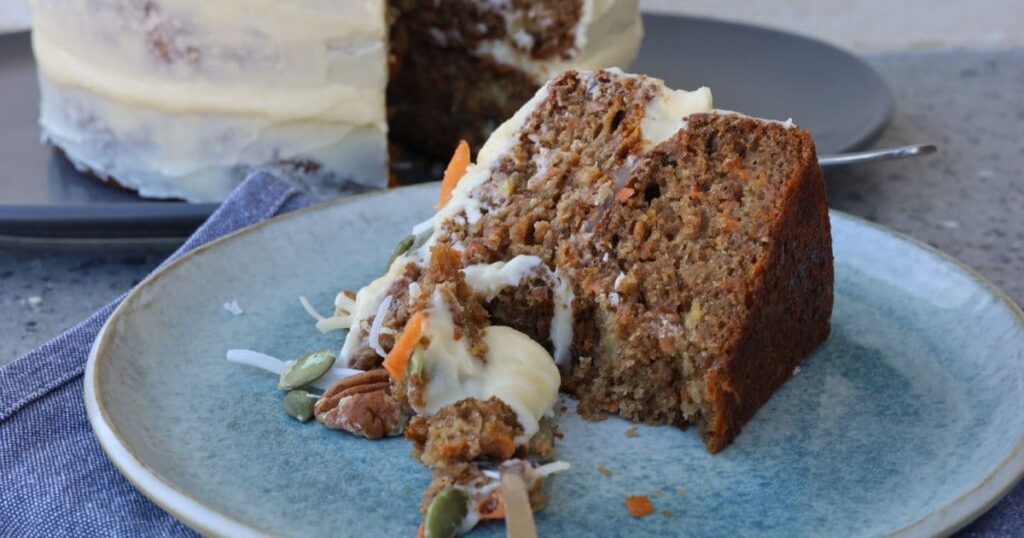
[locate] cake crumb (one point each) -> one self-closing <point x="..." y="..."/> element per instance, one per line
<point x="632" y="432"/>
<point x="796" y="370"/>
<point x="232" y="307"/>
<point x="667" y="513"/>
<point x="681" y="492"/>
<point x="658" y="493"/>
<point x="639" y="506"/>
<point x="605" y="471"/>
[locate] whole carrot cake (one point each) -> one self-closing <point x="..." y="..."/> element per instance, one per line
<point x="183" y="98"/>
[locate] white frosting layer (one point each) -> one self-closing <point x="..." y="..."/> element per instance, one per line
<point x="608" y="34"/>
<point x="489" y="279"/>
<point x="183" y="98"/>
<point x="562" y="321"/>
<point x="516" y="369"/>
<point x="202" y="158"/>
<point x="666" y="112"/>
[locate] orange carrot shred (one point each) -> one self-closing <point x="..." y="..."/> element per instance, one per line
<point x="397" y="361"/>
<point x="625" y="194"/>
<point x="422" y="531"/>
<point x="639" y="506"/>
<point x="455" y="172"/>
<point x="498" y="512"/>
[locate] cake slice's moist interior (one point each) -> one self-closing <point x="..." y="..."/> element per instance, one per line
<point x="683" y="250"/>
<point x="660" y="278"/>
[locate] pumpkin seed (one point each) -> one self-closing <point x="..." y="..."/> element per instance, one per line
<point x="446" y="513"/>
<point x="306" y="369"/>
<point x="422" y="238"/>
<point x="403" y="246"/>
<point x="299" y="405"/>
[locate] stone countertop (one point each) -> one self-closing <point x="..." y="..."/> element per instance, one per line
<point x="968" y="200"/>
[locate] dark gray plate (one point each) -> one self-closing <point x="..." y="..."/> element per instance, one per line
<point x="757" y="71"/>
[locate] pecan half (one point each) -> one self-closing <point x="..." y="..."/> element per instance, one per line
<point x="362" y="405"/>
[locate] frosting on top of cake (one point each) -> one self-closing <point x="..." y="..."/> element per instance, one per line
<point x="666" y="113"/>
<point x="289" y="59"/>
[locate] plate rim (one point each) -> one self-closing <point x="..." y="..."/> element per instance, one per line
<point x="208" y="520"/>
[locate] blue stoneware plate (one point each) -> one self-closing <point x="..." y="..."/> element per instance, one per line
<point x="907" y="421"/>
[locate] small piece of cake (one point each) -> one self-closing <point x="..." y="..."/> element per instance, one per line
<point x="182" y="99"/>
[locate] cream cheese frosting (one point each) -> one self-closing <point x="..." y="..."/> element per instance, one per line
<point x="517" y="370"/>
<point x="181" y="99"/>
<point x="666" y="113"/>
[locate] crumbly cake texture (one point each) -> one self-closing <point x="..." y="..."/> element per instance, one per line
<point x="726" y="254"/>
<point x="698" y="257"/>
<point x="469" y="430"/>
<point x="184" y="99"/>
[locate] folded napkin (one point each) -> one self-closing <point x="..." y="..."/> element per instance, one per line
<point x="55" y="479"/>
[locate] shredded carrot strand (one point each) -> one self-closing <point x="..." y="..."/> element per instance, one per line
<point x="454" y="173"/>
<point x="624" y="194"/>
<point x="639" y="506"/>
<point x="397" y="361"/>
<point x="422" y="531"/>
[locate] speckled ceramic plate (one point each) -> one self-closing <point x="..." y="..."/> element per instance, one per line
<point x="907" y="421"/>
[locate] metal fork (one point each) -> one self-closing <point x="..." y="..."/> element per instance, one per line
<point x="884" y="154"/>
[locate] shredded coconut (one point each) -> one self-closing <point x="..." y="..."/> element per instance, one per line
<point x="378" y="321"/>
<point x="551" y="468"/>
<point x="274" y="365"/>
<point x="309" y="308"/>
<point x="340" y="320"/>
<point x="233" y="308"/>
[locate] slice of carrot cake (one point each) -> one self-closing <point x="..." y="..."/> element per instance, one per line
<point x="617" y="240"/>
<point x="675" y="260"/>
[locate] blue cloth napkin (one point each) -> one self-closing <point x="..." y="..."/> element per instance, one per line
<point x="55" y="479"/>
